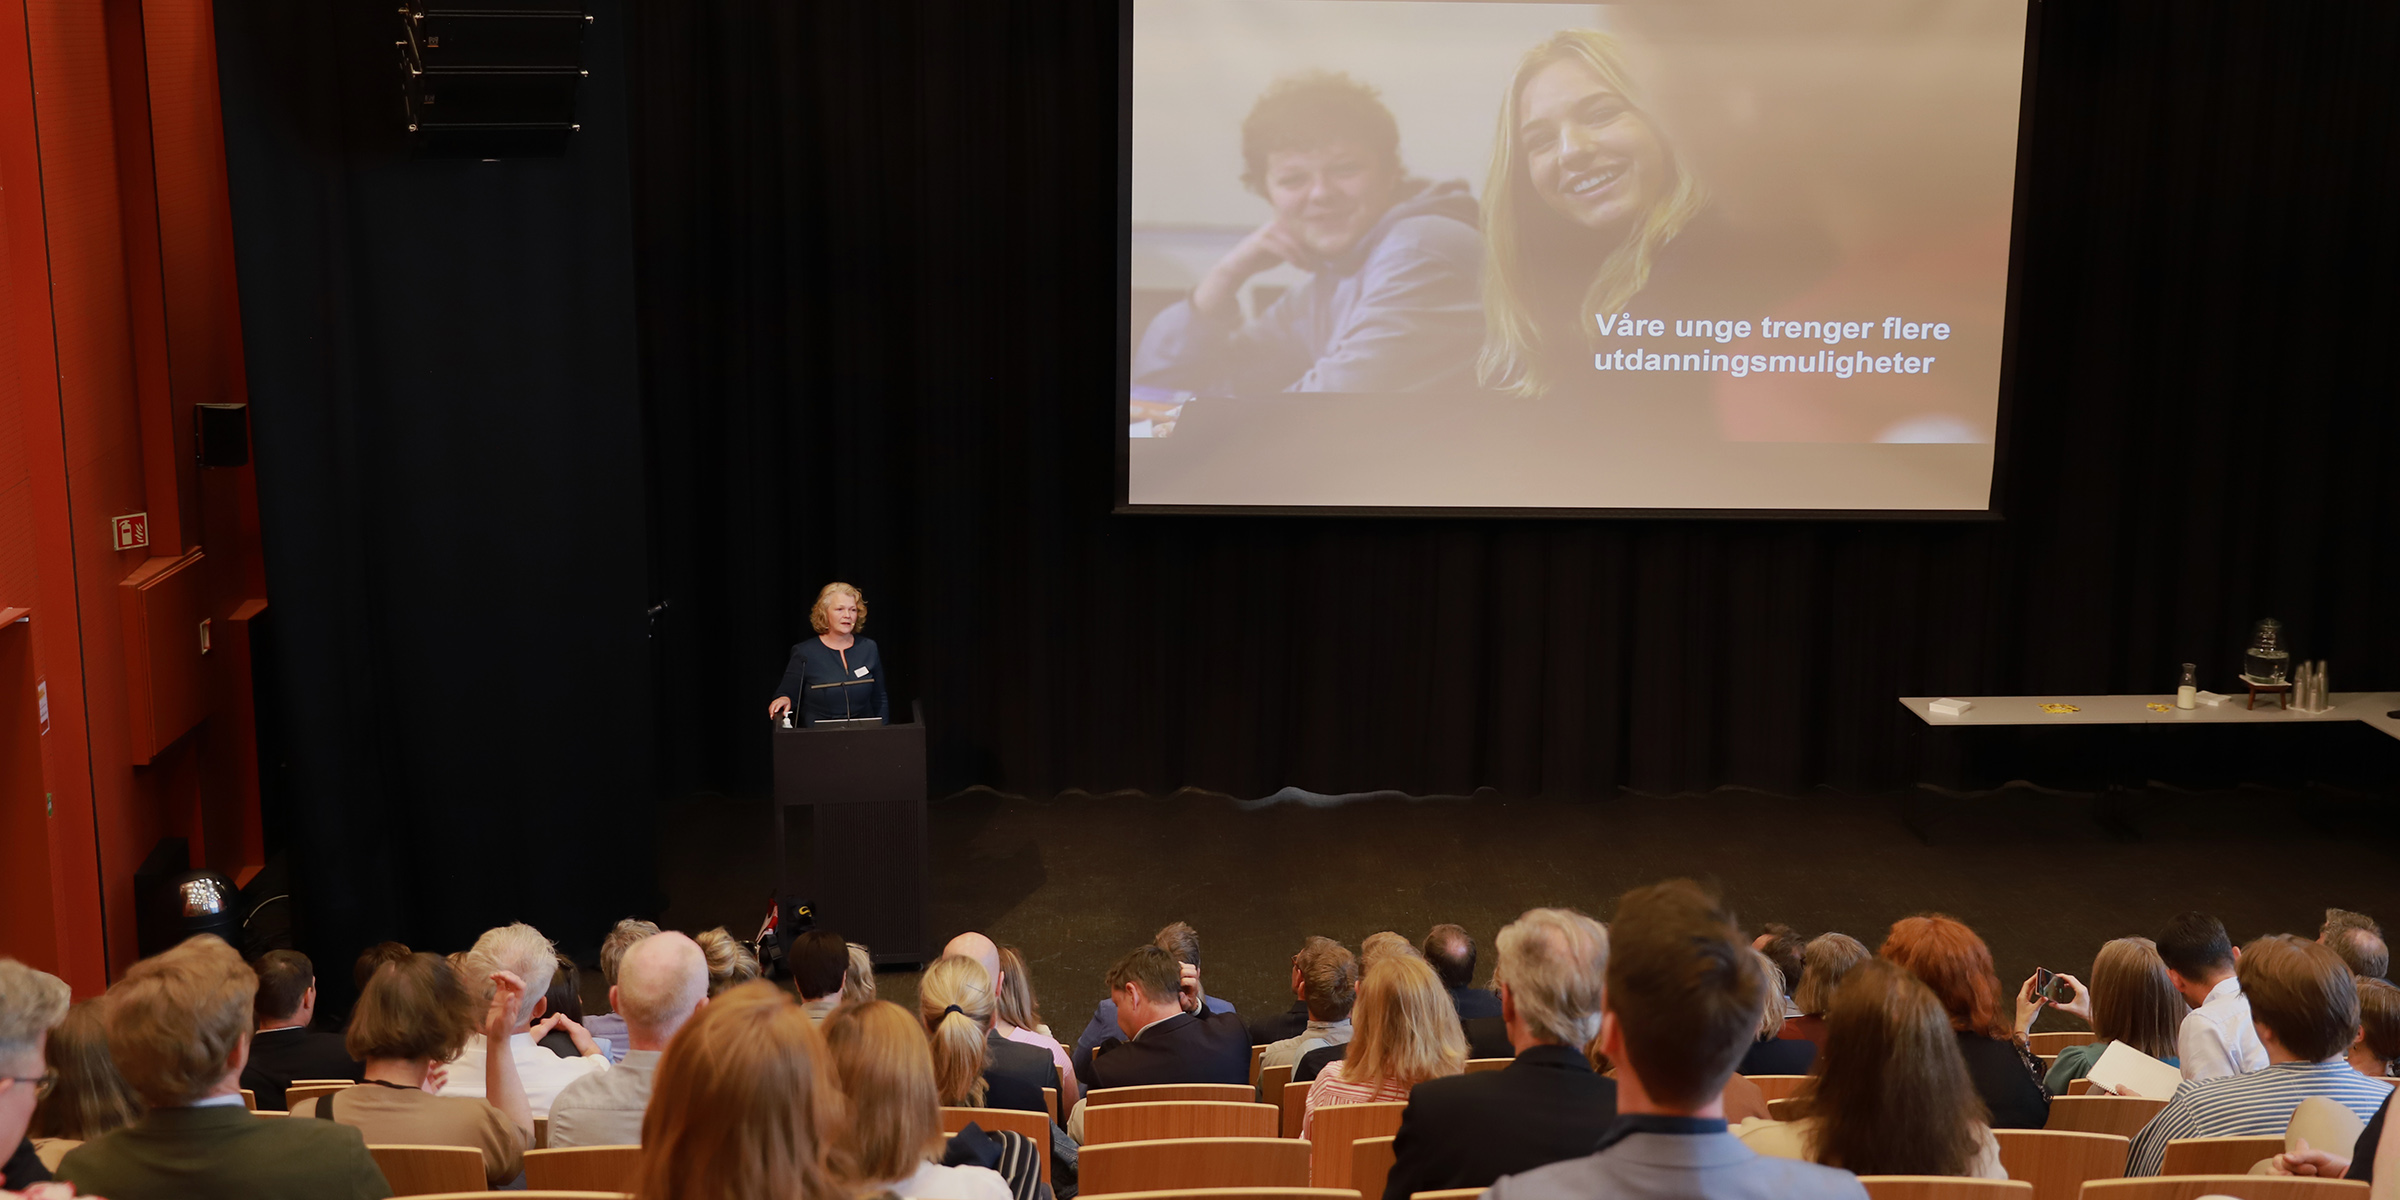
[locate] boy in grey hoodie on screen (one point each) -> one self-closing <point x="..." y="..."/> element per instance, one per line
<point x="1391" y="303"/>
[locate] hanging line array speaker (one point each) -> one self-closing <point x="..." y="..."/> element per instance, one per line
<point x="496" y="79"/>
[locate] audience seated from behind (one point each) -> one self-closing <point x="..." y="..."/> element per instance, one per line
<point x="285" y="1048"/>
<point x="1374" y="949"/>
<point x="1019" y="1020"/>
<point x="744" y="1104"/>
<point x="521" y="951"/>
<point x="608" y="1028"/>
<point x="179" y="1027"/>
<point x="412" y="1018"/>
<point x="2216" y="1038"/>
<point x="1683" y="1000"/>
<point x="1788" y="951"/>
<point x="1827" y="958"/>
<point x="1404" y="1032"/>
<point x="858" y="982"/>
<point x="32" y="1005"/>
<point x="1891" y="1095"/>
<point x="1451" y="950"/>
<point x="1325" y="978"/>
<point x="1164" y="1034"/>
<point x="1955" y="963"/>
<point x="2372" y="1055"/>
<point x="819" y="960"/>
<point x="1011" y="1062"/>
<point x="893" y="1140"/>
<point x="1179" y="940"/>
<point x="371" y="960"/>
<point x="88" y="1097"/>
<point x="661" y="981"/>
<point x="974" y="1066"/>
<point x="730" y="963"/>
<point x="1464" y="1131"/>
<point x="564" y="1001"/>
<point x="2130" y="1000"/>
<point x="1772" y="1053"/>
<point x="2358" y="940"/>
<point x="2305" y="1004"/>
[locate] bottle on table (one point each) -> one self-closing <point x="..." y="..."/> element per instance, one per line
<point x="2187" y="693"/>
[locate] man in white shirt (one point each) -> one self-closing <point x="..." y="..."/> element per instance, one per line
<point x="661" y="982"/>
<point x="1324" y="977"/>
<point x="522" y="950"/>
<point x="2217" y="1038"/>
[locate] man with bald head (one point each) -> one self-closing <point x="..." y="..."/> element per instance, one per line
<point x="661" y="982"/>
<point x="1010" y="1041"/>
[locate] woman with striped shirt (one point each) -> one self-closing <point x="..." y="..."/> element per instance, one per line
<point x="1403" y="1031"/>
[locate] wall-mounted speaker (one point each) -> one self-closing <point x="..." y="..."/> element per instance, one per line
<point x="491" y="78"/>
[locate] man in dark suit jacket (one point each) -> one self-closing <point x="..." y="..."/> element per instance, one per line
<point x="1469" y="1130"/>
<point x="179" y="1030"/>
<point x="1016" y="1074"/>
<point x="1451" y="950"/>
<point x="1168" y="1038"/>
<point x="285" y="1048"/>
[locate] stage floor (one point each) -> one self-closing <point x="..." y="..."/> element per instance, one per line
<point x="1077" y="880"/>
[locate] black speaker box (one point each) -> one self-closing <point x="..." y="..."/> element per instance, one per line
<point x="494" y="79"/>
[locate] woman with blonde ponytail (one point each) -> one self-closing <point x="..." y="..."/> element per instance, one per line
<point x="971" y="1067"/>
<point x="1583" y="195"/>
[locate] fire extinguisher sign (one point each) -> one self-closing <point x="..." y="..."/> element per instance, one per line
<point x="132" y="530"/>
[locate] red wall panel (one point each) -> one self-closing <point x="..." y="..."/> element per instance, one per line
<point x="117" y="315"/>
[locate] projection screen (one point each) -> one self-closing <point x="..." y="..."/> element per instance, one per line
<point x="1664" y="256"/>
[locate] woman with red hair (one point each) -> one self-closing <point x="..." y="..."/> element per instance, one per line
<point x="1948" y="957"/>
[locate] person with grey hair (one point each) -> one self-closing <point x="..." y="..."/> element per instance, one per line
<point x="608" y="1028"/>
<point x="521" y="950"/>
<point x="32" y="1003"/>
<point x="2358" y="940"/>
<point x="1466" y="1131"/>
<point x="661" y="983"/>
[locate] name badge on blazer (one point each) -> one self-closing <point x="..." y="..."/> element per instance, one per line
<point x="860" y="673"/>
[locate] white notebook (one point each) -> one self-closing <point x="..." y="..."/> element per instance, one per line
<point x="2129" y="1072"/>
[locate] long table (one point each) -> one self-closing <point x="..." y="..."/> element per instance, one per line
<point x="2370" y="707"/>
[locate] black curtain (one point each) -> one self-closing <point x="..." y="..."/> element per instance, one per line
<point x="877" y="257"/>
<point x="448" y="430"/>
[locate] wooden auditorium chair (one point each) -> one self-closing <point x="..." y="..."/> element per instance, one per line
<point x="2052" y="1043"/>
<point x="1487" y="1064"/>
<point x="429" y="1170"/>
<point x="2059" y="1162"/>
<point x="2120" y="1115"/>
<point x="1371" y="1160"/>
<point x="2241" y="1187"/>
<point x="2218" y="1155"/>
<point x="1105" y="1169"/>
<point x="582" y="1168"/>
<point x="1243" y="1193"/>
<point x="1152" y="1093"/>
<point x="293" y="1095"/>
<point x="1175" y="1119"/>
<point x="536" y="1195"/>
<point x="1294" y="1108"/>
<point x="1942" y="1187"/>
<point x="1777" y="1087"/>
<point x="1271" y="1082"/>
<point x="1339" y="1125"/>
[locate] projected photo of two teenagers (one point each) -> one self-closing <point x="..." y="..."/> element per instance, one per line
<point x="1718" y="224"/>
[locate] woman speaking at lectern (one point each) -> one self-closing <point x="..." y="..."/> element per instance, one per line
<point x="836" y="676"/>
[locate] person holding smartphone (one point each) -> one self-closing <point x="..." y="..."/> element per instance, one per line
<point x="2131" y="1000"/>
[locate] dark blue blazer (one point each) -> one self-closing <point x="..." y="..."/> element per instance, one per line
<point x="822" y="682"/>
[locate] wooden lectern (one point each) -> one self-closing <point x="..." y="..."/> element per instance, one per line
<point x="866" y="784"/>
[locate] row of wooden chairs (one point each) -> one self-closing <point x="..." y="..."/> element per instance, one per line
<point x="1879" y="1187"/>
<point x="2042" y="1165"/>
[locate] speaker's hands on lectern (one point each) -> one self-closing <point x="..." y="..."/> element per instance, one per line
<point x="777" y="707"/>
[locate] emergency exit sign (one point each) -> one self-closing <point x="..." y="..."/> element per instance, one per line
<point x="132" y="530"/>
